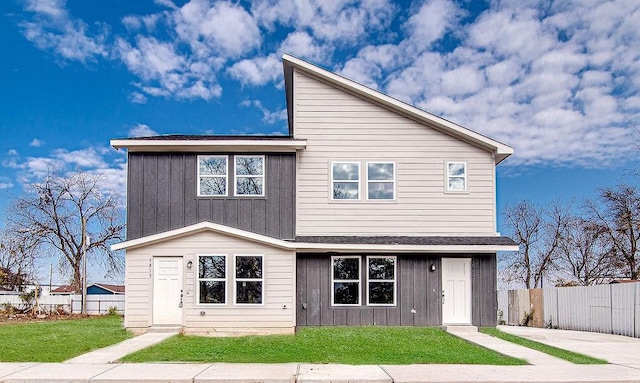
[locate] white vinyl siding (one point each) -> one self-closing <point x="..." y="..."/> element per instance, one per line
<point x="342" y="127"/>
<point x="275" y="315"/>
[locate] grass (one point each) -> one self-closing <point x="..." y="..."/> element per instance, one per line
<point x="56" y="341"/>
<point x="570" y="356"/>
<point x="345" y="345"/>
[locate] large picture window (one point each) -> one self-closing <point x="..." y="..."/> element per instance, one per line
<point x="381" y="281"/>
<point x="345" y="280"/>
<point x="212" y="279"/>
<point x="212" y="176"/>
<point x="380" y="181"/>
<point x="249" y="279"/>
<point x="249" y="175"/>
<point x="345" y="180"/>
<point x="456" y="176"/>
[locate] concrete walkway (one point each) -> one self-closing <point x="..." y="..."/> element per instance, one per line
<point x="114" y="353"/>
<point x="97" y="367"/>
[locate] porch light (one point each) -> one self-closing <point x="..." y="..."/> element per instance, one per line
<point x="189" y="264"/>
<point x="433" y="267"/>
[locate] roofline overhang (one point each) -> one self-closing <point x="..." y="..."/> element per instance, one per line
<point x="210" y="146"/>
<point x="304" y="246"/>
<point x="500" y="150"/>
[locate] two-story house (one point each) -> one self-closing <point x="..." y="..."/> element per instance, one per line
<point x="370" y="212"/>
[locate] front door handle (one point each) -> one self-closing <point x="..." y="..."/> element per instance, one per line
<point x="442" y="296"/>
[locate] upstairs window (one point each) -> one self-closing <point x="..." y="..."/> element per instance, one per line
<point x="456" y="176"/>
<point x="345" y="180"/>
<point x="212" y="176"/>
<point x="249" y="279"/>
<point x="345" y="279"/>
<point x="380" y="180"/>
<point x="381" y="281"/>
<point x="249" y="175"/>
<point x="212" y="279"/>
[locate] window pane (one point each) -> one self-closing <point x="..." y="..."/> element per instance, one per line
<point x="346" y="268"/>
<point x="213" y="186"/>
<point x="249" y="267"/>
<point x="345" y="190"/>
<point x="345" y="172"/>
<point x="346" y="293"/>
<point x="380" y="172"/>
<point x="380" y="190"/>
<point x="214" y="166"/>
<point x="249" y="292"/>
<point x="211" y="267"/>
<point x="381" y="292"/>
<point x="456" y="183"/>
<point x="249" y="166"/>
<point x="456" y="169"/>
<point x="249" y="186"/>
<point x="212" y="292"/>
<point x="381" y="268"/>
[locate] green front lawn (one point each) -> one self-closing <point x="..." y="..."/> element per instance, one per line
<point x="570" y="356"/>
<point x="345" y="345"/>
<point x="56" y="341"/>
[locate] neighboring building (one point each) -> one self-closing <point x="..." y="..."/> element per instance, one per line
<point x="63" y="290"/>
<point x="105" y="289"/>
<point x="371" y="212"/>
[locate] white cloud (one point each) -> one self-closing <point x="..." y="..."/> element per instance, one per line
<point x="137" y="98"/>
<point x="6" y="185"/>
<point x="257" y="71"/>
<point x="36" y="143"/>
<point x="268" y="116"/>
<point x="53" y="29"/>
<point x="142" y="130"/>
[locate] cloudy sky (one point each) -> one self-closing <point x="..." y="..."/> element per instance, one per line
<point x="558" y="81"/>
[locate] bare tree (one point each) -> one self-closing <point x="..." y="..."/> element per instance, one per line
<point x="585" y="254"/>
<point x="618" y="217"/>
<point x="55" y="212"/>
<point x="538" y="231"/>
<point x="18" y="256"/>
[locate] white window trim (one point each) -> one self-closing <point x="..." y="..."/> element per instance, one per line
<point x="236" y="176"/>
<point x="235" y="280"/>
<point x="198" y="279"/>
<point x="333" y="281"/>
<point x="357" y="163"/>
<point x="395" y="279"/>
<point x="392" y="181"/>
<point x="448" y="176"/>
<point x="226" y="176"/>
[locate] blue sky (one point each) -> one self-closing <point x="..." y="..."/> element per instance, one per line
<point x="558" y="81"/>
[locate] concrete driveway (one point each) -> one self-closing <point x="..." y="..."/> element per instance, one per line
<point x="616" y="349"/>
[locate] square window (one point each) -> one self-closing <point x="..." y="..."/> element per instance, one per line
<point x="249" y="172"/>
<point x="345" y="180"/>
<point x="381" y="281"/>
<point x="381" y="181"/>
<point x="345" y="277"/>
<point x="212" y="280"/>
<point x="212" y="176"/>
<point x="456" y="176"/>
<point x="249" y="279"/>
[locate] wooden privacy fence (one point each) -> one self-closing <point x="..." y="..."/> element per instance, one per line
<point x="96" y="303"/>
<point x="611" y="309"/>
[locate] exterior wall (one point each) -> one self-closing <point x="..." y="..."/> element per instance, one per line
<point x="417" y="288"/>
<point x="162" y="196"/>
<point x="339" y="126"/>
<point x="275" y="315"/>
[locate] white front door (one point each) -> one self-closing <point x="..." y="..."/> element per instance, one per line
<point x="456" y="291"/>
<point x="167" y="291"/>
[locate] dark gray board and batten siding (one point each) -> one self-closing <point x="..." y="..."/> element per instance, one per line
<point x="162" y="196"/>
<point x="418" y="288"/>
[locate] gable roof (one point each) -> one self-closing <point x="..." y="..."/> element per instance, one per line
<point x="63" y="289"/>
<point x="116" y="289"/>
<point x="291" y="63"/>
<point x="209" y="143"/>
<point x="488" y="244"/>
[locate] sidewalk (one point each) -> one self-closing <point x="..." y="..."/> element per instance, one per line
<point x="97" y="366"/>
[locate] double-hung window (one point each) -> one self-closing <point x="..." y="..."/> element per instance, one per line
<point x="380" y="180"/>
<point x="249" y="279"/>
<point x="381" y="281"/>
<point x="212" y="281"/>
<point x="249" y="173"/>
<point x="456" y="176"/>
<point x="212" y="176"/>
<point x="345" y="280"/>
<point x="345" y="180"/>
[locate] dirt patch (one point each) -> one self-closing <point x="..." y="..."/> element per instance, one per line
<point x="28" y="318"/>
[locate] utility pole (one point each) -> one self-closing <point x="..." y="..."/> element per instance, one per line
<point x="84" y="265"/>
